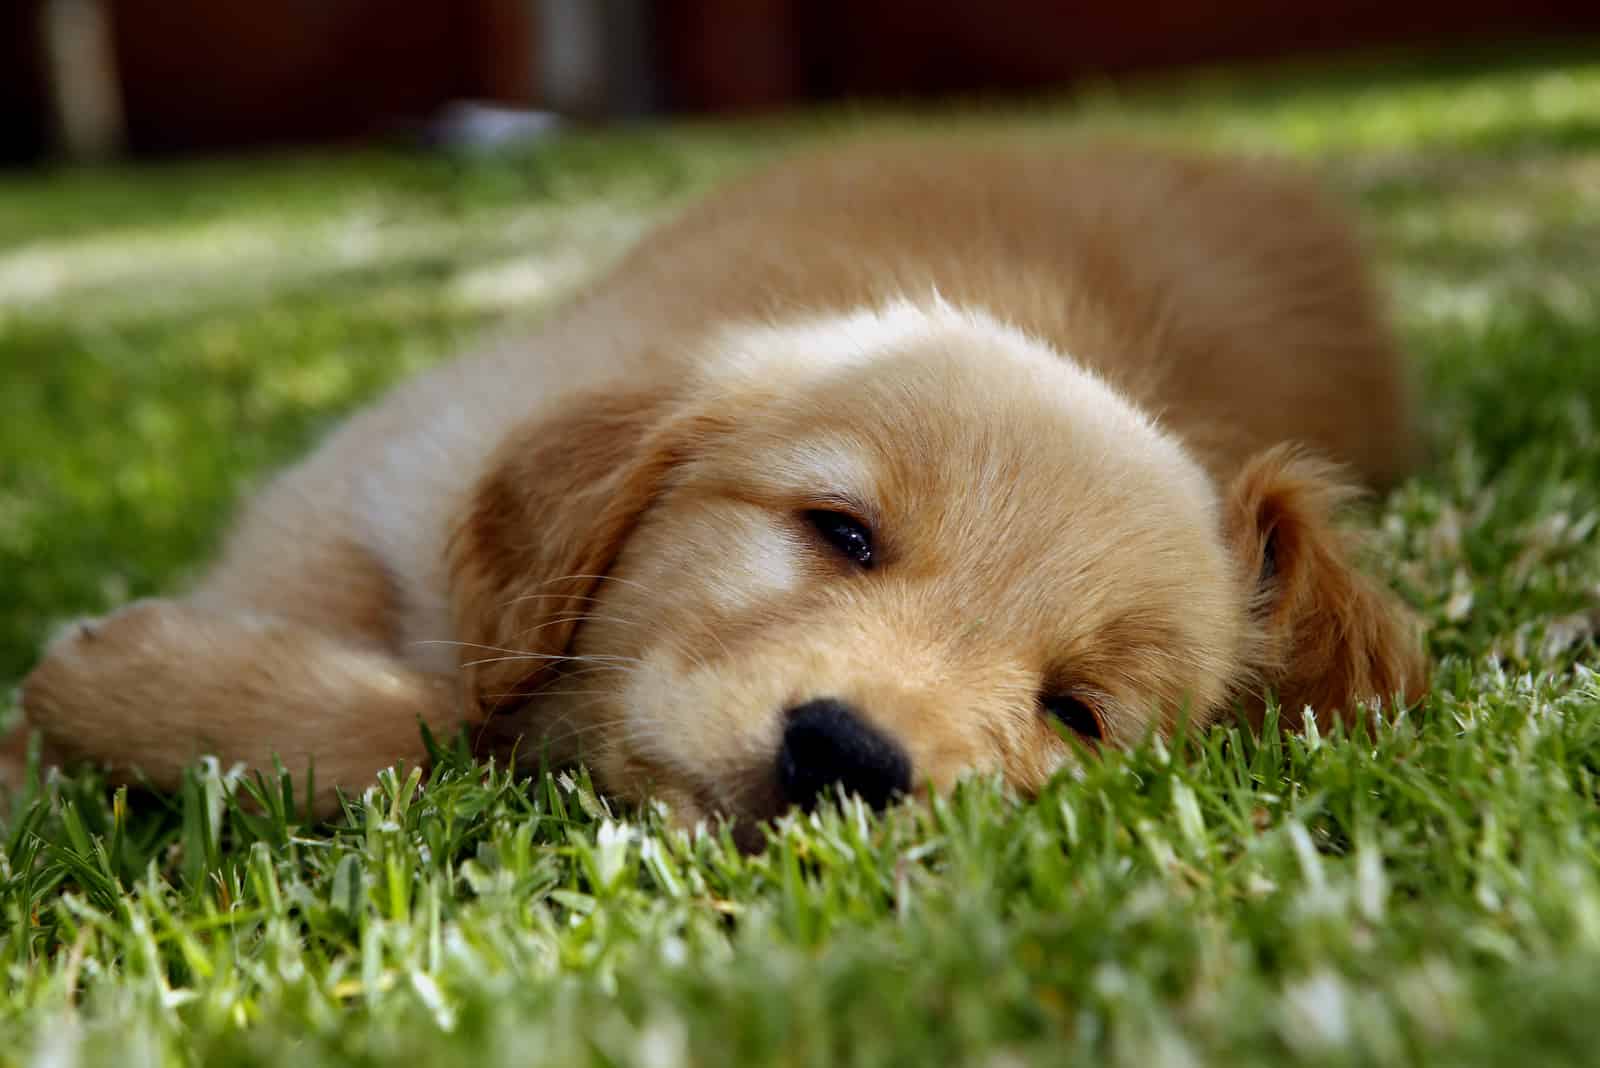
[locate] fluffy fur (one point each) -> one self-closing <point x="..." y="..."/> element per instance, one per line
<point x="1089" y="403"/>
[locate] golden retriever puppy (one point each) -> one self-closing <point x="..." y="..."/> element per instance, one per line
<point x="873" y="470"/>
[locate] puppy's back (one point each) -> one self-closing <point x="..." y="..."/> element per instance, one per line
<point x="1228" y="297"/>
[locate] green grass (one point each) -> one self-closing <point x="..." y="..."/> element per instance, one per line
<point x="1428" y="893"/>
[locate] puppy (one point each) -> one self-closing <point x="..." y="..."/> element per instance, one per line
<point x="873" y="470"/>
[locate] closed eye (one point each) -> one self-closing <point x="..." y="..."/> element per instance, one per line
<point x="1075" y="714"/>
<point x="845" y="533"/>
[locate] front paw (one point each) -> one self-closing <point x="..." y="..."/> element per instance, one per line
<point x="88" y="669"/>
<point x="82" y="633"/>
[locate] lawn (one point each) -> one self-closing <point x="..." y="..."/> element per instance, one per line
<point x="1428" y="892"/>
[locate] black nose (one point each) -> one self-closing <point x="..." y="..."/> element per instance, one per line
<point x="827" y="744"/>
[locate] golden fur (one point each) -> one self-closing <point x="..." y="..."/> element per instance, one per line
<point x="1088" y="402"/>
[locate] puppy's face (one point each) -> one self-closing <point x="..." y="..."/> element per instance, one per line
<point x="924" y="546"/>
<point x="893" y="549"/>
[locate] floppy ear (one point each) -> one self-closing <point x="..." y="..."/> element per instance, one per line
<point x="542" y="527"/>
<point x="1328" y="636"/>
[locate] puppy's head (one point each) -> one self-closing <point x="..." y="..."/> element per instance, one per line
<point x="884" y="550"/>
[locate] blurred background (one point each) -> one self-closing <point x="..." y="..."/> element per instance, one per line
<point x="93" y="79"/>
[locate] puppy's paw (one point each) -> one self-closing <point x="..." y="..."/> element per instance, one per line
<point x="80" y="635"/>
<point x="87" y="668"/>
<point x="78" y="630"/>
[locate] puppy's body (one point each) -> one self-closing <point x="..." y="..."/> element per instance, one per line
<point x="1048" y="383"/>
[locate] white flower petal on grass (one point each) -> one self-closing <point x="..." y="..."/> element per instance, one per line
<point x="611" y="852"/>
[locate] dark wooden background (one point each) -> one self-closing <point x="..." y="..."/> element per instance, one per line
<point x="202" y="75"/>
<point x="727" y="54"/>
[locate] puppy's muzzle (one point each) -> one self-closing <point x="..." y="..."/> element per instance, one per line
<point x="826" y="744"/>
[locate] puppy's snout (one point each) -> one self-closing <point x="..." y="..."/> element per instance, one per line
<point x="826" y="743"/>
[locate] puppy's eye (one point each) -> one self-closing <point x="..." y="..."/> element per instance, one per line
<point x="845" y="533"/>
<point x="1075" y="714"/>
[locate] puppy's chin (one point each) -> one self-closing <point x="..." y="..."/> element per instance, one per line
<point x="621" y="750"/>
<point x="743" y="805"/>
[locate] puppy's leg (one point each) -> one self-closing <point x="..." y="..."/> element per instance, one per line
<point x="145" y="691"/>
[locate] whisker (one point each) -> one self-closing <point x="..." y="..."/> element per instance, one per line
<point x="578" y="618"/>
<point x="465" y="645"/>
<point x="563" y="657"/>
<point x="576" y="731"/>
<point x="549" y="597"/>
<point x="600" y="578"/>
<point x="515" y="654"/>
<point x="595" y="670"/>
